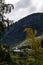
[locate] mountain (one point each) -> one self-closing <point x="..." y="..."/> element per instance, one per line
<point x="15" y="34"/>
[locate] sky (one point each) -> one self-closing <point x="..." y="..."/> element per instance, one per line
<point x="23" y="8"/>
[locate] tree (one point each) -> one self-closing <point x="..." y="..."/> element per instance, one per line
<point x="36" y="55"/>
<point x="34" y="42"/>
<point x="4" y="8"/>
<point x="30" y="33"/>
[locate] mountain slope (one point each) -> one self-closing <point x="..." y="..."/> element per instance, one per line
<point x="16" y="35"/>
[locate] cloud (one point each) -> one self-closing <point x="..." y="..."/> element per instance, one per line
<point x="25" y="7"/>
<point x="11" y="1"/>
<point x="23" y="4"/>
<point x="33" y="4"/>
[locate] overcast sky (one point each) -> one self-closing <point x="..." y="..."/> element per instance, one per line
<point x="24" y="8"/>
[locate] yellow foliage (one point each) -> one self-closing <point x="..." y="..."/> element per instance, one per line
<point x="34" y="42"/>
<point x="30" y="33"/>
